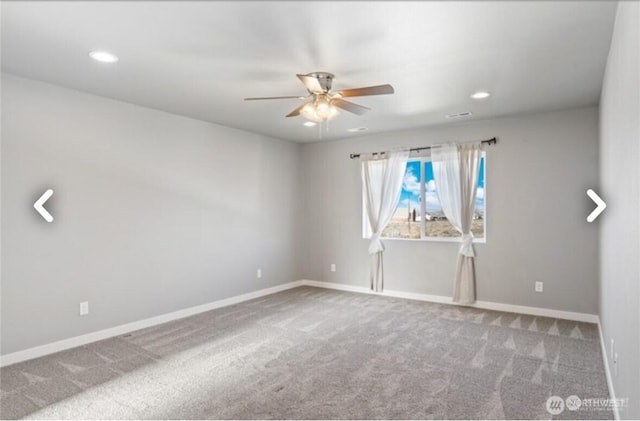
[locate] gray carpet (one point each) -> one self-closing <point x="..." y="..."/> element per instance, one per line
<point x="311" y="353"/>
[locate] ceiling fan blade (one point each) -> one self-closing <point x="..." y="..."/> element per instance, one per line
<point x="311" y="83"/>
<point x="273" y="97"/>
<point x="369" y="90"/>
<point x="296" y="111"/>
<point x="349" y="106"/>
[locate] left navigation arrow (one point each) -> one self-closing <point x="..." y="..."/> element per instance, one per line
<point x="39" y="205"/>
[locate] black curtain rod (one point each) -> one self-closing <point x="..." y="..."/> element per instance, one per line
<point x="491" y="141"/>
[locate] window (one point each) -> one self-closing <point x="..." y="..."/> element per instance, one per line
<point x="419" y="213"/>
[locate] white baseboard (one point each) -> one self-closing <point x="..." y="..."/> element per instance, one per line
<point x="485" y="305"/>
<point x="64" y="344"/>
<point x="339" y="287"/>
<point x="605" y="359"/>
<point x="538" y="311"/>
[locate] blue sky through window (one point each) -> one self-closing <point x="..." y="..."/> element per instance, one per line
<point x="410" y="195"/>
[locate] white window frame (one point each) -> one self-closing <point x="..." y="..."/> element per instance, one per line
<point x="366" y="229"/>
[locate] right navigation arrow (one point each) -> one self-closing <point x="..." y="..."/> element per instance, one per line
<point x="598" y="210"/>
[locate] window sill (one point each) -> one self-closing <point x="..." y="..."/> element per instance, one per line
<point x="432" y="239"/>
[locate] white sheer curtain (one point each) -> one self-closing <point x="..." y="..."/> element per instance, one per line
<point x="455" y="172"/>
<point x="382" y="180"/>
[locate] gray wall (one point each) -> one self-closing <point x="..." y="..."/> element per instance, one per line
<point x="156" y="212"/>
<point x="536" y="180"/>
<point x="153" y="212"/>
<point x="620" y="223"/>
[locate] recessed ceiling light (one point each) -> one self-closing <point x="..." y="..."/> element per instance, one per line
<point x="309" y="123"/>
<point x="103" y="56"/>
<point x="481" y="95"/>
<point x="358" y="129"/>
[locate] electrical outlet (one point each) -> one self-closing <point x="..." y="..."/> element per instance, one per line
<point x="539" y="286"/>
<point x="259" y="273"/>
<point x="333" y="267"/>
<point x="84" y="308"/>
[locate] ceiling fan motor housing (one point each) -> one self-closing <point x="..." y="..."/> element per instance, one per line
<point x="324" y="79"/>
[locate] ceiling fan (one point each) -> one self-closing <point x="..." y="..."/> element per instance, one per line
<point x="323" y="102"/>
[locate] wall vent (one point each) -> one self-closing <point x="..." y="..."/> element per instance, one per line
<point x="460" y="115"/>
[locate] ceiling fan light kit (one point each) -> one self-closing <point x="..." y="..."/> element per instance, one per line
<point x="324" y="102"/>
<point x="319" y="110"/>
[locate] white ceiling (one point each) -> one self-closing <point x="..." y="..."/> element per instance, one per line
<point x="200" y="59"/>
